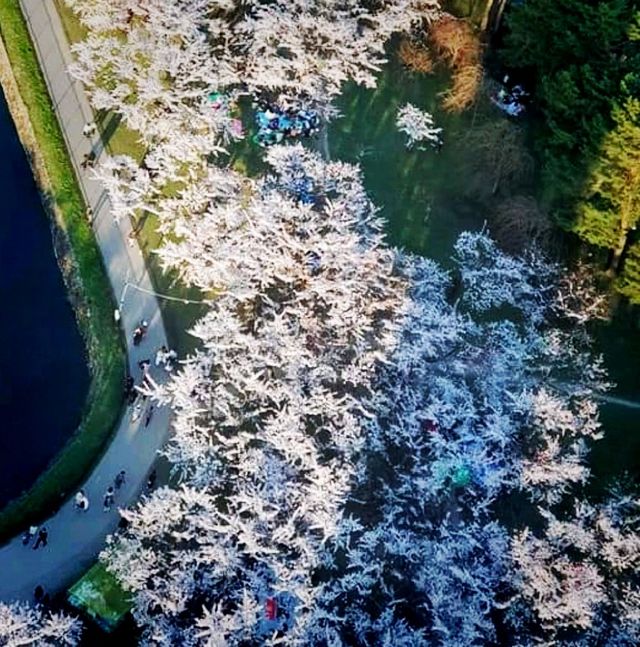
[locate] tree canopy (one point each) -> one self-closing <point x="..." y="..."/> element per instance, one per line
<point x="585" y="59"/>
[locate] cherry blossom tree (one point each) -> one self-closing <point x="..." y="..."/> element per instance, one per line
<point x="158" y="62"/>
<point x="459" y="411"/>
<point x="353" y="415"/>
<point x="580" y="575"/>
<point x="21" y="624"/>
<point x="336" y="377"/>
<point x="292" y="339"/>
<point x="418" y="125"/>
<point x="311" y="47"/>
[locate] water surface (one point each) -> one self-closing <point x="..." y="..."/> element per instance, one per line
<point x="44" y="378"/>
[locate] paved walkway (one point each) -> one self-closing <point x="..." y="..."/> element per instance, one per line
<point x="75" y="538"/>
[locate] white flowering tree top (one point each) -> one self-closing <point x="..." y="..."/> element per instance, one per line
<point x="418" y="125"/>
<point x="21" y="624"/>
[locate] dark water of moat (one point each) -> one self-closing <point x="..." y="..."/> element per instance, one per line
<point x="44" y="377"/>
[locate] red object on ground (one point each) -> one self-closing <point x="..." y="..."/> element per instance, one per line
<point x="271" y="608"/>
<point x="430" y="426"/>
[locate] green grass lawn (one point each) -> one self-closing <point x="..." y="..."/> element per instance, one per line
<point x="420" y="192"/>
<point x="99" y="595"/>
<point x="74" y="29"/>
<point x="102" y="337"/>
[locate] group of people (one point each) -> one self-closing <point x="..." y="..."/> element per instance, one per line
<point x="510" y="101"/>
<point x="41" y="534"/>
<point x="221" y="102"/>
<point x="166" y="358"/>
<point x="81" y="500"/>
<point x="90" y="158"/>
<point x="277" y="123"/>
<point x="137" y="394"/>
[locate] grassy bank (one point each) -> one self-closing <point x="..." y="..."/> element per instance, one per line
<point x="90" y="290"/>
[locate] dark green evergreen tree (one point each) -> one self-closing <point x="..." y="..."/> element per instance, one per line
<point x="611" y="209"/>
<point x="628" y="283"/>
<point x="585" y="60"/>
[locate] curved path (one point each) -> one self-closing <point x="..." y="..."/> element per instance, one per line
<point x="75" y="538"/>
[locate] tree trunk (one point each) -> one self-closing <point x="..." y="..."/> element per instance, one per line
<point x="617" y="252"/>
<point x="492" y="15"/>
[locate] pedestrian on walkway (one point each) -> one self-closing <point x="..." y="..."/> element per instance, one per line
<point x="139" y="332"/>
<point x="170" y="360"/>
<point x="43" y="537"/>
<point x="89" y="214"/>
<point x="29" y="535"/>
<point x="88" y="160"/>
<point x="148" y="417"/>
<point x="120" y="479"/>
<point x="151" y="480"/>
<point x="165" y="357"/>
<point x="129" y="390"/>
<point x="38" y="594"/>
<point x="89" y="129"/>
<point x="81" y="501"/>
<point x="161" y="355"/>
<point x="109" y="498"/>
<point x="137" y="410"/>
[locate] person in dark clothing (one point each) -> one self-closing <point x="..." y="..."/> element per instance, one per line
<point x="128" y="387"/>
<point x="38" y="593"/>
<point x="108" y="499"/>
<point x="148" y="417"/>
<point x="140" y="332"/>
<point x="151" y="480"/>
<point x="120" y="479"/>
<point x="43" y="537"/>
<point x="29" y="535"/>
<point x="88" y="160"/>
<point x="144" y="364"/>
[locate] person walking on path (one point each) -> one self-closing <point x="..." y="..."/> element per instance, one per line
<point x="165" y="357"/>
<point x="151" y="481"/>
<point x="81" y="501"/>
<point x="120" y="479"/>
<point x="88" y="160"/>
<point x="109" y="498"/>
<point x="39" y="595"/>
<point x="89" y="129"/>
<point x="139" y="332"/>
<point x="137" y="409"/>
<point x="43" y="537"/>
<point x="129" y="391"/>
<point x="29" y="535"/>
